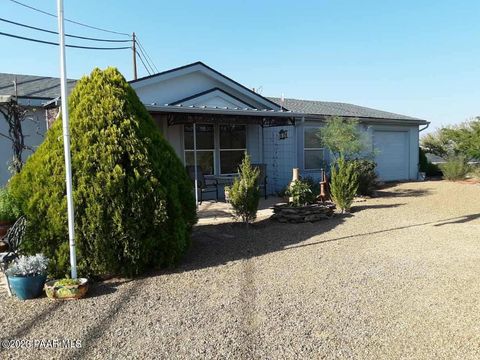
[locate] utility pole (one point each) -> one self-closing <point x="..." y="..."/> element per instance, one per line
<point x="66" y="140"/>
<point x="134" y="48"/>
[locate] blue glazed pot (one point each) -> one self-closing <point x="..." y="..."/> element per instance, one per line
<point x="27" y="287"/>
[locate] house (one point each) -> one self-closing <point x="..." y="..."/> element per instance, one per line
<point x="230" y="118"/>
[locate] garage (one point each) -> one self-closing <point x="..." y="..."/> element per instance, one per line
<point x="392" y="154"/>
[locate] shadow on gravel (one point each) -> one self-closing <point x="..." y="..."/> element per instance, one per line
<point x="357" y="208"/>
<point x="402" y="193"/>
<point x="217" y="244"/>
<point x="460" y="219"/>
<point x="105" y="287"/>
<point x="214" y="245"/>
<point x="25" y="328"/>
<point x="103" y="325"/>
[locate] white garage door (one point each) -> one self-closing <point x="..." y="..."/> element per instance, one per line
<point x="391" y="148"/>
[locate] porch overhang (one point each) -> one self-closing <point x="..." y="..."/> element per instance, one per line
<point x="177" y="115"/>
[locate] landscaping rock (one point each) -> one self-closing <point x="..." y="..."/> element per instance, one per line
<point x="310" y="213"/>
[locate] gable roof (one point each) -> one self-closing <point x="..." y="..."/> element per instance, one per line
<point x="30" y="86"/>
<point x="328" y="108"/>
<point x="219" y="75"/>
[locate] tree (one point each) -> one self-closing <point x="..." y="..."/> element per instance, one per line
<point x="14" y="115"/>
<point x="134" y="203"/>
<point x="244" y="194"/>
<point x="343" y="137"/>
<point x="458" y="140"/>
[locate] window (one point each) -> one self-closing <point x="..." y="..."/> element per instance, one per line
<point x="313" y="150"/>
<point x="205" y="147"/>
<point x="233" y="144"/>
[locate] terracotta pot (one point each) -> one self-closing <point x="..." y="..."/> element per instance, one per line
<point x="4" y="226"/>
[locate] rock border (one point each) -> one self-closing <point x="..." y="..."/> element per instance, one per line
<point x="286" y="213"/>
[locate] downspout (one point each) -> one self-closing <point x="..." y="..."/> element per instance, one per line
<point x="425" y="128"/>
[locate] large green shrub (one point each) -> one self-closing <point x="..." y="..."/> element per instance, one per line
<point x="367" y="178"/>
<point x="134" y="205"/>
<point x="9" y="209"/>
<point x="344" y="184"/>
<point x="455" y="168"/>
<point x="244" y="194"/>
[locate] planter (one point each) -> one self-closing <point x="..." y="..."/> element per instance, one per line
<point x="66" y="292"/>
<point x="4" y="226"/>
<point x="27" y="287"/>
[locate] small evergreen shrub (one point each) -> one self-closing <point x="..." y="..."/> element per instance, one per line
<point x="301" y="193"/>
<point x="245" y="193"/>
<point x="456" y="168"/>
<point x="344" y="184"/>
<point x="134" y="204"/>
<point x="367" y="178"/>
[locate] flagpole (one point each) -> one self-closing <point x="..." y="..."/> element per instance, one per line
<point x="66" y="140"/>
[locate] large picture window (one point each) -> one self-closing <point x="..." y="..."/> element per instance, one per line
<point x="233" y="144"/>
<point x="205" y="147"/>
<point x="313" y="150"/>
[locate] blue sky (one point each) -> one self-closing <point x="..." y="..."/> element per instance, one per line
<point x="418" y="58"/>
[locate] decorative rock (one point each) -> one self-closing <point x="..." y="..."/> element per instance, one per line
<point x="309" y="213"/>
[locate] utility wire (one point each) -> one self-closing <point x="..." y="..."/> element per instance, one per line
<point x="148" y="56"/>
<point x="70" y="46"/>
<point x="71" y="21"/>
<point x="146" y="59"/>
<point x="145" y="66"/>
<point x="55" y="32"/>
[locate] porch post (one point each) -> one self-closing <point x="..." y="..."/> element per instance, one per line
<point x="195" y="161"/>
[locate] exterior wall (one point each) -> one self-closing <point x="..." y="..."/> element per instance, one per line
<point x="34" y="127"/>
<point x="280" y="157"/>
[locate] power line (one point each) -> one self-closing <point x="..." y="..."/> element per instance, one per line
<point x="145" y="66"/>
<point x="147" y="55"/>
<point x="71" y="21"/>
<point x="55" y="32"/>
<point x="71" y="46"/>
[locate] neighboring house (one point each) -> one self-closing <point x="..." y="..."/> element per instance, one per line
<point x="231" y="119"/>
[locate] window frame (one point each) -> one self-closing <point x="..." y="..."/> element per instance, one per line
<point x="199" y="150"/>
<point x="305" y="149"/>
<point x="217" y="150"/>
<point x="220" y="149"/>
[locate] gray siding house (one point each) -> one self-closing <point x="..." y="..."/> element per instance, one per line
<point x="230" y="119"/>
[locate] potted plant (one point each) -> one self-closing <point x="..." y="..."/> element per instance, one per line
<point x="27" y="275"/>
<point x="66" y="289"/>
<point x="9" y="211"/>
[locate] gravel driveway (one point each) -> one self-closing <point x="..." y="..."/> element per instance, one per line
<point x="399" y="278"/>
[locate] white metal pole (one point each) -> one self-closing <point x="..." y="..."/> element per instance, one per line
<point x="195" y="161"/>
<point x="66" y="140"/>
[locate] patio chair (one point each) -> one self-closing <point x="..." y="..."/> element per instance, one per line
<point x="205" y="184"/>
<point x="13" y="239"/>
<point x="262" y="178"/>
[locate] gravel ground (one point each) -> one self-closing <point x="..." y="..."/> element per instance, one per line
<point x="396" y="279"/>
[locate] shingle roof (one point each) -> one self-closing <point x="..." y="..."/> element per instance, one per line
<point x="31" y="86"/>
<point x="328" y="108"/>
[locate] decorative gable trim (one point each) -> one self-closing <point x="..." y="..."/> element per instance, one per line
<point x="214" y="91"/>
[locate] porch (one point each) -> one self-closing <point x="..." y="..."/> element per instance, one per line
<point x="213" y="141"/>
